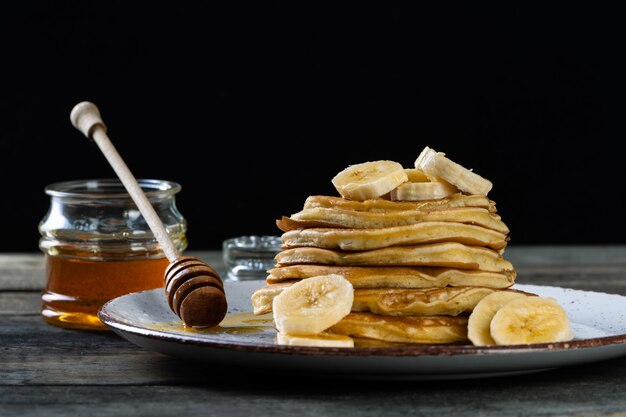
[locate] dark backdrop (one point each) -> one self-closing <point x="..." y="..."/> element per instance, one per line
<point x="253" y="108"/>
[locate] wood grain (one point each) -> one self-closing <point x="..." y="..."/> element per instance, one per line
<point x="554" y="393"/>
<point x="19" y="303"/>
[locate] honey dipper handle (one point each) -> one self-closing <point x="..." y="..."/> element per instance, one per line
<point x="85" y="117"/>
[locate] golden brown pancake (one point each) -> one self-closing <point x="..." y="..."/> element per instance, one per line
<point x="450" y="301"/>
<point x="403" y="329"/>
<point x="447" y="301"/>
<point x="397" y="276"/>
<point x="341" y="218"/>
<point x="379" y="204"/>
<point x="413" y="234"/>
<point x="448" y="254"/>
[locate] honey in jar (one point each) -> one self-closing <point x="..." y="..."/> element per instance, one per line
<point x="98" y="247"/>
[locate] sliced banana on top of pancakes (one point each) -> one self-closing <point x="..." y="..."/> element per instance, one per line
<point x="437" y="165"/>
<point x="434" y="177"/>
<point x="369" y="179"/>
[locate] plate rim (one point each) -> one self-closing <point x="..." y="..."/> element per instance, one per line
<point x="401" y="351"/>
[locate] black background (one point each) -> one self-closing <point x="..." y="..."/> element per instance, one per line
<point x="253" y="108"/>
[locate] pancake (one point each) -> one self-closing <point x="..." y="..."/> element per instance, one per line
<point x="397" y="276"/>
<point x="379" y="204"/>
<point x="403" y="329"/>
<point x="447" y="301"/>
<point x="341" y="218"/>
<point x="448" y="254"/>
<point x="413" y="234"/>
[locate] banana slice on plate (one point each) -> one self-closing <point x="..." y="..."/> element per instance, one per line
<point x="322" y="339"/>
<point x="436" y="165"/>
<point x="478" y="325"/>
<point x="313" y="305"/>
<point x="369" y="179"/>
<point x="530" y="320"/>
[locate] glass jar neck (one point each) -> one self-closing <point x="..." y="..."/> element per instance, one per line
<point x="97" y="219"/>
<point x="110" y="189"/>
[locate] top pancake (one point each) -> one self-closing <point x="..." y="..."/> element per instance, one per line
<point x="381" y="205"/>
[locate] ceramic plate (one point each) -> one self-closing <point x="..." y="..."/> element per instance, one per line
<point x="245" y="340"/>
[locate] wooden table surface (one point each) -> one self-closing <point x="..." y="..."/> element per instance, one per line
<point x="49" y="371"/>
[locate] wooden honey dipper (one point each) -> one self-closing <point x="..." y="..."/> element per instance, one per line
<point x="193" y="289"/>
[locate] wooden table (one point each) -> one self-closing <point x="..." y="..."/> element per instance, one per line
<point x="45" y="370"/>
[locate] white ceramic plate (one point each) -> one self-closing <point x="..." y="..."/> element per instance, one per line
<point x="245" y="341"/>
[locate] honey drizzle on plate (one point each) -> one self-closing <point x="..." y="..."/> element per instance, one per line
<point x="234" y="323"/>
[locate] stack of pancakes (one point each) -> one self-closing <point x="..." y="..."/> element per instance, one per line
<point x="417" y="268"/>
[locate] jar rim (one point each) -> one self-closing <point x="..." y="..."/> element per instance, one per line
<point x="110" y="188"/>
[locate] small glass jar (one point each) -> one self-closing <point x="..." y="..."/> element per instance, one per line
<point x="250" y="257"/>
<point x="98" y="246"/>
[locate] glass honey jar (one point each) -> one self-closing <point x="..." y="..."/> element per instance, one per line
<point x="98" y="246"/>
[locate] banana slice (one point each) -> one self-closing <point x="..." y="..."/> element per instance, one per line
<point x="322" y="339"/>
<point x="436" y="165"/>
<point x="421" y="191"/>
<point x="416" y="175"/>
<point x="369" y="179"/>
<point x="313" y="305"/>
<point x="530" y="320"/>
<point x="478" y="330"/>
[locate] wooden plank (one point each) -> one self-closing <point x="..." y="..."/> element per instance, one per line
<point x="537" y="255"/>
<point x="596" y="390"/>
<point x="34" y="352"/>
<point x="601" y="278"/>
<point x="22" y="271"/>
<point x="19" y="303"/>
